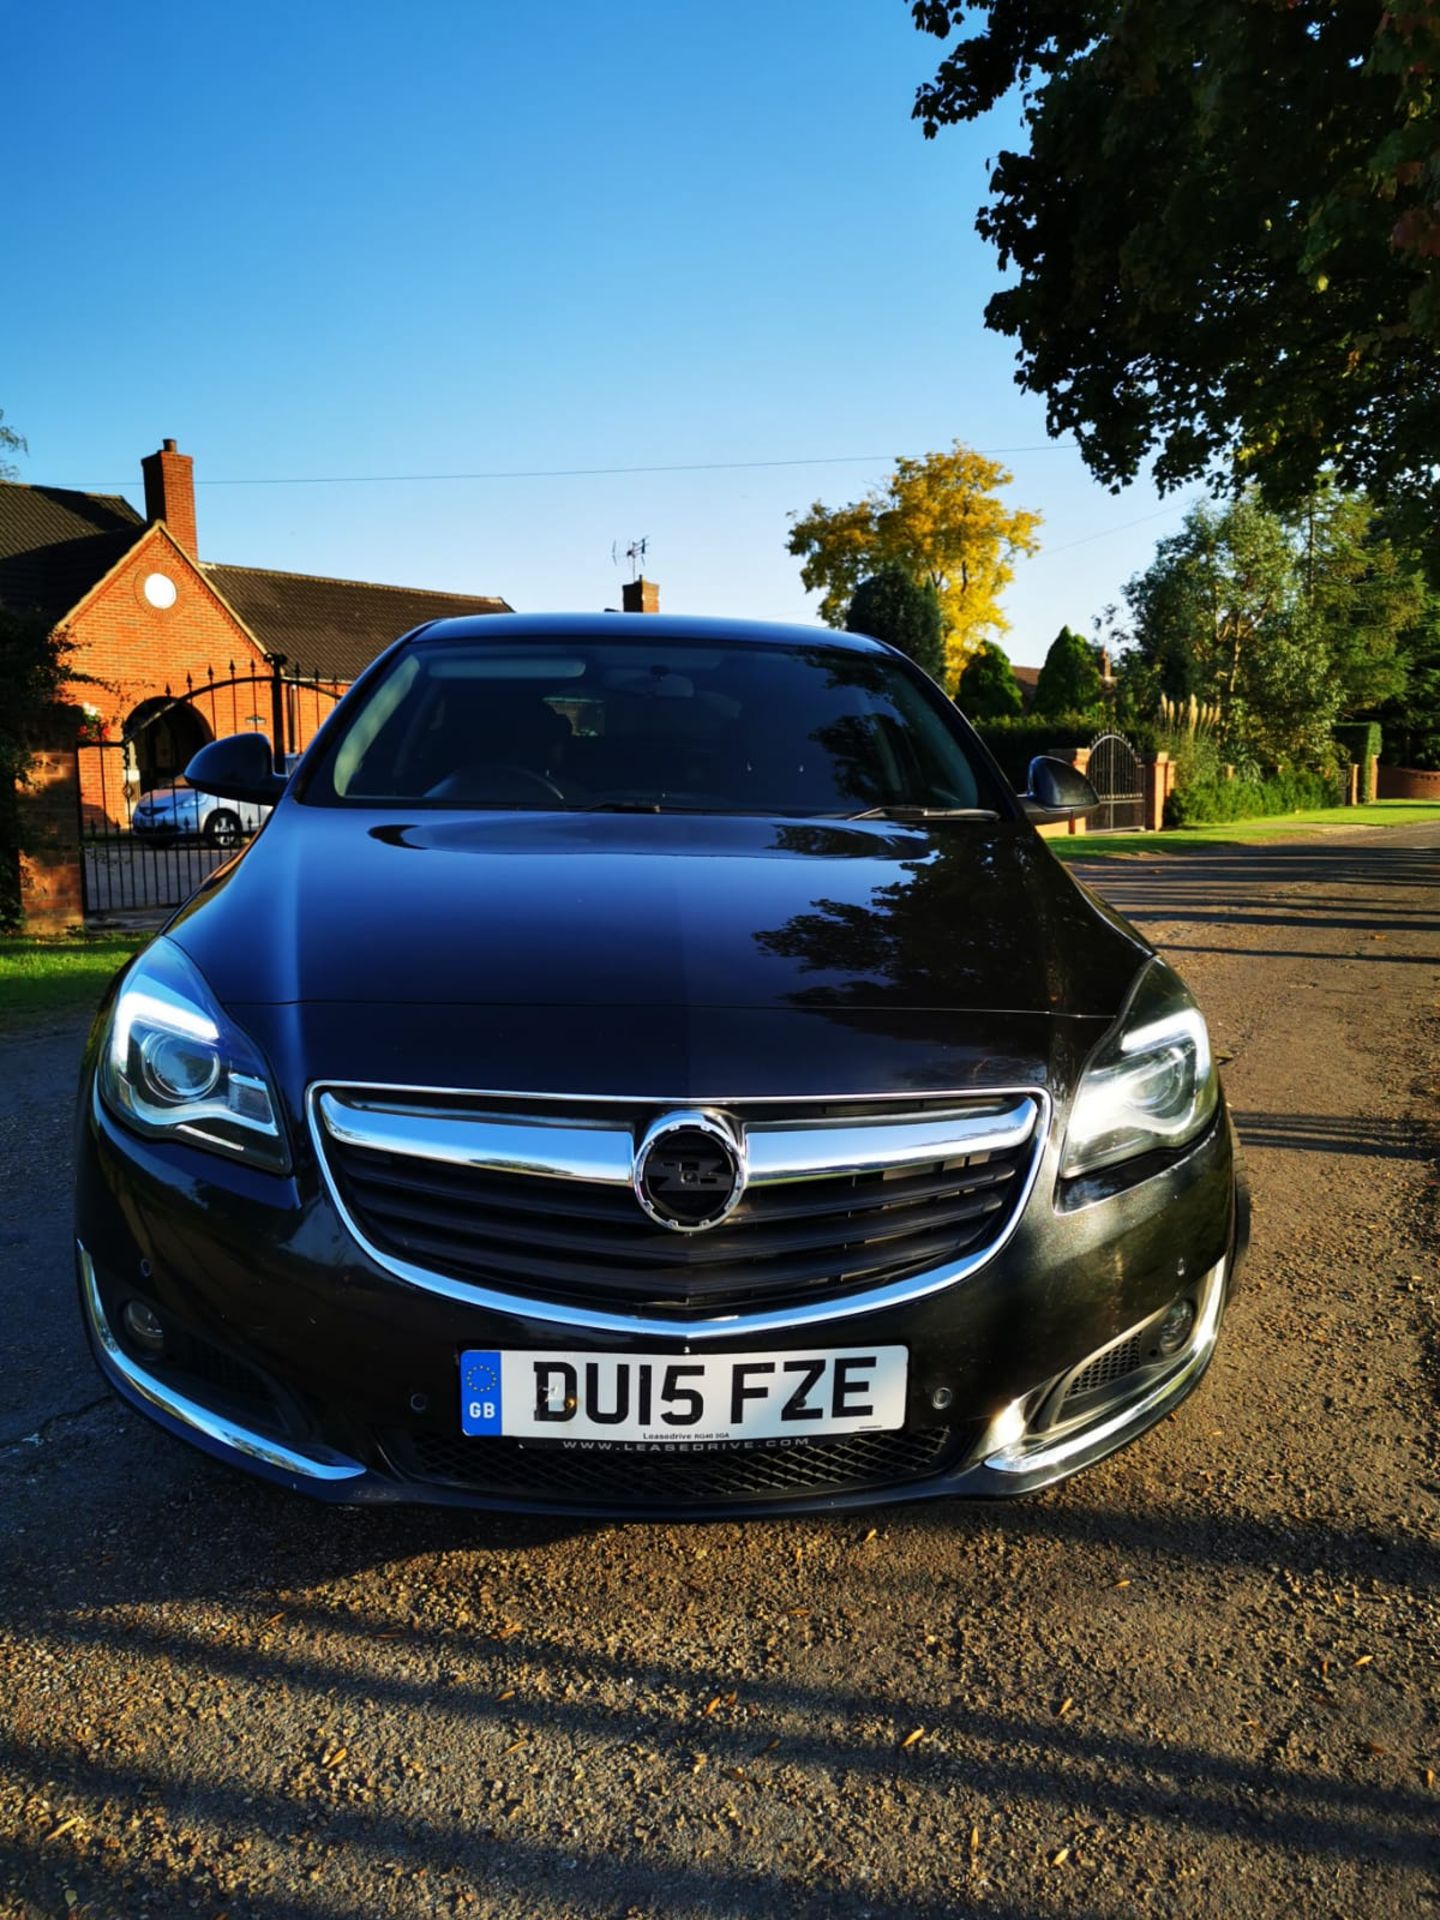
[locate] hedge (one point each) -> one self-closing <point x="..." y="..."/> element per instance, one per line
<point x="1359" y="742"/>
<point x="1208" y="801"/>
<point x="1015" y="743"/>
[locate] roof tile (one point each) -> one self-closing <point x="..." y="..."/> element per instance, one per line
<point x="333" y="627"/>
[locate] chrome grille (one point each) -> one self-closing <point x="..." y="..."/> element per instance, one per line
<point x="537" y="1200"/>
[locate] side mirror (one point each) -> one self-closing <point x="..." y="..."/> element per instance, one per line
<point x="1057" y="790"/>
<point x="240" y="767"/>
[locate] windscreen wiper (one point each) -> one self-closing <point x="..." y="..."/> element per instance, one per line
<point x="635" y="806"/>
<point x="900" y="811"/>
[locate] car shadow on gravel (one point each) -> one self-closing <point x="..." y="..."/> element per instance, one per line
<point x="199" y="1541"/>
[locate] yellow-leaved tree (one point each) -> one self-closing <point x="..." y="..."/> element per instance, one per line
<point x="941" y="520"/>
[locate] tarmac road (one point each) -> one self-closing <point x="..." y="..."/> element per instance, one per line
<point x="1204" y="1678"/>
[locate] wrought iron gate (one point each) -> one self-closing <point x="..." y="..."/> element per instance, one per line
<point x="146" y="839"/>
<point x="1117" y="775"/>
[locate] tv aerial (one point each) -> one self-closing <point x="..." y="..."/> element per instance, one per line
<point x="634" y="553"/>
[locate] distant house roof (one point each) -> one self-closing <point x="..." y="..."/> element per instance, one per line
<point x="333" y="627"/>
<point x="1029" y="679"/>
<point x="56" y="543"/>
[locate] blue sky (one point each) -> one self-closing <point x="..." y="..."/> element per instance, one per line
<point x="455" y="236"/>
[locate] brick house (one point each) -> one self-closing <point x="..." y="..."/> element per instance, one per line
<point x="146" y="616"/>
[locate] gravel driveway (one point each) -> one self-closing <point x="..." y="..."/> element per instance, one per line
<point x="1201" y="1679"/>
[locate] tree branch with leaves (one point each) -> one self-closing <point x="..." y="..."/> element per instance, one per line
<point x="940" y="520"/>
<point x="1222" y="232"/>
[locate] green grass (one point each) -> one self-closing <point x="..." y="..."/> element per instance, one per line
<point x="1244" y="833"/>
<point x="62" y="975"/>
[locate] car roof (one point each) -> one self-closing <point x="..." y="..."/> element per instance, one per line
<point x="505" y="628"/>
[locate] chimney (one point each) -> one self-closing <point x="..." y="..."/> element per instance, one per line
<point x="641" y="596"/>
<point x="170" y="494"/>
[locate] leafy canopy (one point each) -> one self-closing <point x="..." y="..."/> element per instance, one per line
<point x="1070" y="678"/>
<point x="988" y="688"/>
<point x="941" y="521"/>
<point x="1282" y="622"/>
<point x="1224" y="231"/>
<point x="890" y="606"/>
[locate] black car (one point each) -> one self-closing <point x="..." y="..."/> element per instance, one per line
<point x="650" y="1065"/>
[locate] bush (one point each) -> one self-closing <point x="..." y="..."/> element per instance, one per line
<point x="892" y="607"/>
<point x="988" y="689"/>
<point x="1070" y="678"/>
<point x="1209" y="801"/>
<point x="33" y="667"/>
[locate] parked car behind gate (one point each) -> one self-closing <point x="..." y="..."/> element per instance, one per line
<point x="181" y="811"/>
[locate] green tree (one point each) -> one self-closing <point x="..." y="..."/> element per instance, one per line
<point x="1223" y="234"/>
<point x="941" y="521"/>
<point x="1223" y="613"/>
<point x="1411" y="721"/>
<point x="1070" y="678"/>
<point x="1365" y="593"/>
<point x="988" y="688"/>
<point x="890" y="606"/>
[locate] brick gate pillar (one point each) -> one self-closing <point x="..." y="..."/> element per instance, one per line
<point x="52" y="895"/>
<point x="1159" y="777"/>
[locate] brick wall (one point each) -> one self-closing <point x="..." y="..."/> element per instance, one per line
<point x="1406" y="783"/>
<point x="131" y="650"/>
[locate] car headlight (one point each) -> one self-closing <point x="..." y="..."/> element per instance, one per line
<point x="175" y="1064"/>
<point x="1150" y="1084"/>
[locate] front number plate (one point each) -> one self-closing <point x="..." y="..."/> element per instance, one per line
<point x="688" y="1399"/>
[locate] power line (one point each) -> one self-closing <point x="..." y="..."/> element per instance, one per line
<point x="563" y="473"/>
<point x="1103" y="533"/>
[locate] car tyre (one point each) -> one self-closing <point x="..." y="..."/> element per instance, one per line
<point x="222" y="829"/>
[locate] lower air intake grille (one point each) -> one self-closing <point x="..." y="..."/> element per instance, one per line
<point x="695" y="1477"/>
<point x="1112" y="1365"/>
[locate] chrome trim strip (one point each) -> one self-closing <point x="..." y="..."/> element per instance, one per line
<point x="773" y="1151"/>
<point x="838" y="1148"/>
<point x="562" y="1096"/>
<point x="677" y="1326"/>
<point x="214" y="1426"/>
<point x="501" y="1145"/>
<point x="1025" y="1456"/>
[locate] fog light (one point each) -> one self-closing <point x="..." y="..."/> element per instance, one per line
<point x="1176" y="1327"/>
<point x="143" y="1326"/>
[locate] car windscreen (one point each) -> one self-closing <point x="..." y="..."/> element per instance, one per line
<point x="589" y="722"/>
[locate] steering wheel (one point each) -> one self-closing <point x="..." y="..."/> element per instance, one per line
<point x="477" y="782"/>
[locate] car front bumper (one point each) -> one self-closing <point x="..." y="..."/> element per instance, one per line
<point x="291" y="1353"/>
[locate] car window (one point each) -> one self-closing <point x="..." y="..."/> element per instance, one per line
<point x="587" y="722"/>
